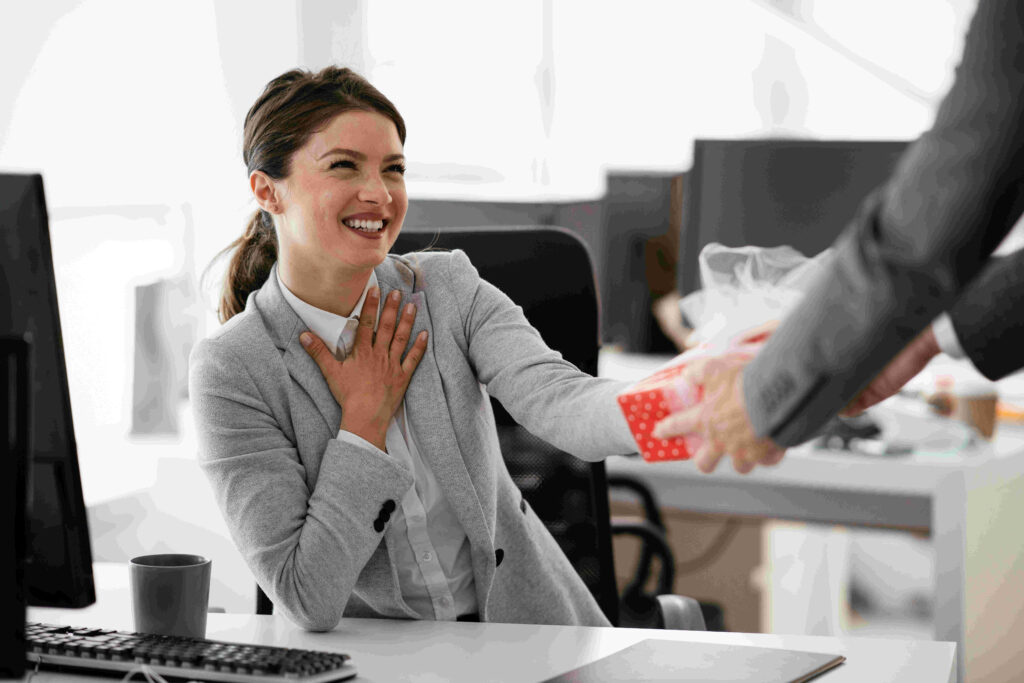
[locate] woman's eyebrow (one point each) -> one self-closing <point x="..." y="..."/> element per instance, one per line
<point x="357" y="155"/>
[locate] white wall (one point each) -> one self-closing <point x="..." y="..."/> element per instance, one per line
<point x="132" y="112"/>
<point x="539" y="98"/>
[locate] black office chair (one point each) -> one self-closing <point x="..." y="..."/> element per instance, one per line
<point x="548" y="272"/>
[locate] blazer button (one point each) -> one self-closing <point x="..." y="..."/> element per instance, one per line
<point x="522" y="506"/>
<point x="389" y="506"/>
<point x="378" y="525"/>
<point x="499" y="555"/>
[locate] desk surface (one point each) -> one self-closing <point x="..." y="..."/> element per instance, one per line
<point x="386" y="650"/>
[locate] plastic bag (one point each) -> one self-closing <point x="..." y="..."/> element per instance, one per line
<point x="743" y="287"/>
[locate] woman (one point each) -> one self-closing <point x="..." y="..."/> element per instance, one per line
<point x="341" y="412"/>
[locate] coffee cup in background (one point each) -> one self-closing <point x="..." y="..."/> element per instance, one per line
<point x="976" y="405"/>
<point x="170" y="594"/>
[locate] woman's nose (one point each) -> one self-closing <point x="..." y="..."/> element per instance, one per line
<point x="375" y="191"/>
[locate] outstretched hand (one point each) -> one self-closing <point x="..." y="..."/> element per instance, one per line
<point x="721" y="419"/>
<point x="370" y="383"/>
<point x="900" y="370"/>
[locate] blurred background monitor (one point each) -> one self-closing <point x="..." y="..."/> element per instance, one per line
<point x="771" y="192"/>
<point x="57" y="559"/>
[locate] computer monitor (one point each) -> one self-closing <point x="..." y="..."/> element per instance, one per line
<point x="15" y="422"/>
<point x="774" y="192"/>
<point x="58" y="560"/>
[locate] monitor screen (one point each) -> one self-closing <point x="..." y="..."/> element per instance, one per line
<point x="58" y="570"/>
<point x="772" y="192"/>
<point x="15" y="422"/>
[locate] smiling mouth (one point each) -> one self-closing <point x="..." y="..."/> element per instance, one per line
<point x="365" y="225"/>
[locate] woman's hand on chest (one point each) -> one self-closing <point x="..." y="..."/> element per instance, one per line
<point x="370" y="383"/>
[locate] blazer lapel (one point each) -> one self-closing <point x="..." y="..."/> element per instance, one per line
<point x="285" y="327"/>
<point x="434" y="431"/>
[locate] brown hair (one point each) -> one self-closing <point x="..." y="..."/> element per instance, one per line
<point x="292" y="107"/>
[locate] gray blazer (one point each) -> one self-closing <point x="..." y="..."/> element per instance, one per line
<point x="301" y="505"/>
<point x="989" y="317"/>
<point x="915" y="245"/>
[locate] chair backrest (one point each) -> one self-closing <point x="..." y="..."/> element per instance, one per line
<point x="548" y="272"/>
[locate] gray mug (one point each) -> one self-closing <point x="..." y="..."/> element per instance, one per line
<point x="170" y="594"/>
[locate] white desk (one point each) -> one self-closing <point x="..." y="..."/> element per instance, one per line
<point x="449" y="652"/>
<point x="971" y="504"/>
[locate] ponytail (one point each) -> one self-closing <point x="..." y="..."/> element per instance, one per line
<point x="255" y="253"/>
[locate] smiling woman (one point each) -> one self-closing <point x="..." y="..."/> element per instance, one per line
<point x="302" y="149"/>
<point x="339" y="209"/>
<point x="359" y="468"/>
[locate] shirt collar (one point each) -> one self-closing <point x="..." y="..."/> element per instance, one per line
<point x="324" y="324"/>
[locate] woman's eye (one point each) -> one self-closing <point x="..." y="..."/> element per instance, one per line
<point x="343" y="163"/>
<point x="396" y="168"/>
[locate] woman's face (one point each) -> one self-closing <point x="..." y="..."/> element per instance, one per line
<point x="344" y="201"/>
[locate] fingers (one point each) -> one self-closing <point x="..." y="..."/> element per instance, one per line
<point x="855" y="408"/>
<point x="678" y="424"/>
<point x="393" y="330"/>
<point x="708" y="456"/>
<point x="315" y="348"/>
<point x="415" y="355"/>
<point x="388" y="315"/>
<point x="741" y="464"/>
<point x="401" y="339"/>
<point x="697" y="370"/>
<point x="368" y="319"/>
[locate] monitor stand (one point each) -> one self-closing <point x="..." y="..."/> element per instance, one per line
<point x="14" y="456"/>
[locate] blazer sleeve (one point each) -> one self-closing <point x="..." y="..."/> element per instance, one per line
<point x="549" y="396"/>
<point x="914" y="245"/>
<point x="306" y="544"/>
<point x="989" y="317"/>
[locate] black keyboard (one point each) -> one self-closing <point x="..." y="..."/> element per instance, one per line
<point x="116" y="653"/>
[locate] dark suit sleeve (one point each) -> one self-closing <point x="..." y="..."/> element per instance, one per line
<point x="915" y="244"/>
<point x="989" y="317"/>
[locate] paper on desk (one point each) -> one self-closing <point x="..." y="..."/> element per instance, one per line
<point x="671" y="660"/>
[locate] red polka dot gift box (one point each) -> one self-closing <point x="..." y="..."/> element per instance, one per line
<point x="651" y="399"/>
<point x="666" y="391"/>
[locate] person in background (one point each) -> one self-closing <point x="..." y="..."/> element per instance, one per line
<point x="340" y="408"/>
<point x="915" y="246"/>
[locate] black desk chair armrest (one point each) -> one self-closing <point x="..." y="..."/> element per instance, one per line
<point x="681" y="613"/>
<point x="674" y="611"/>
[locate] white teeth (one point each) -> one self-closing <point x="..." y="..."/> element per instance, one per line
<point x="365" y="226"/>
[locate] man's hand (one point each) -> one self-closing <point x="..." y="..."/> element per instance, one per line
<point x="900" y="370"/>
<point x="370" y="383"/>
<point x="721" y="417"/>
